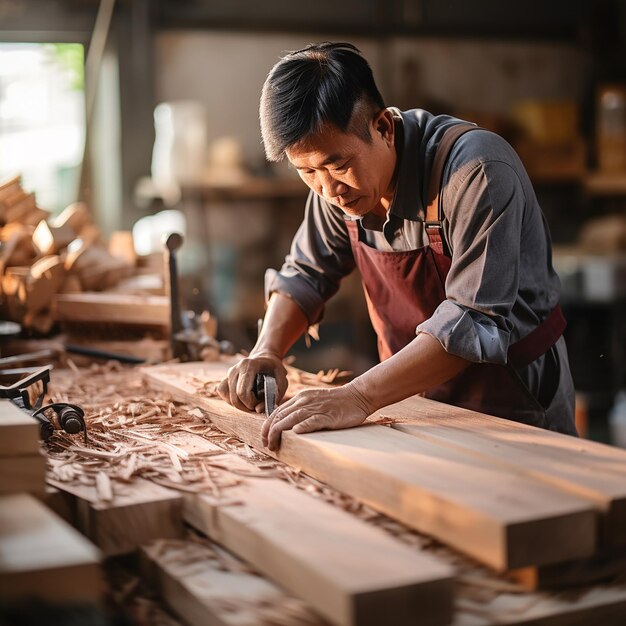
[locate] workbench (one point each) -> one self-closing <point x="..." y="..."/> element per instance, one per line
<point x="269" y="544"/>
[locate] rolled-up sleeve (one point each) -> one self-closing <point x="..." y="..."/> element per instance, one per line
<point x="319" y="258"/>
<point x="484" y="209"/>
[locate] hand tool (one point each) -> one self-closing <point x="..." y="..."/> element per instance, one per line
<point x="188" y="337"/>
<point x="266" y="390"/>
<point x="28" y="394"/>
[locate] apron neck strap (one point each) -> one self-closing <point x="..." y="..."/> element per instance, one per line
<point x="434" y="212"/>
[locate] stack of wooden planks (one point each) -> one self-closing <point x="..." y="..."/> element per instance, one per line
<point x="43" y="557"/>
<point x="22" y="466"/>
<point x="508" y="495"/>
<point x="345" y="562"/>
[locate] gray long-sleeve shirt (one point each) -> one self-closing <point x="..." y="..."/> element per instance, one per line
<point x="501" y="282"/>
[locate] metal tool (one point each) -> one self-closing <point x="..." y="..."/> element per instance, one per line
<point x="266" y="390"/>
<point x="70" y="417"/>
<point x="188" y="337"/>
<point x="28" y="394"/>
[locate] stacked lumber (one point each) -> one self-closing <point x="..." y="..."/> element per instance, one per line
<point x="43" y="557"/>
<point x="534" y="503"/>
<point x="246" y="501"/>
<point x="22" y="466"/>
<point x="204" y="584"/>
<point x="41" y="256"/>
<point x="346" y="570"/>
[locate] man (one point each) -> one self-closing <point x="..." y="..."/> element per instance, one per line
<point x="454" y="253"/>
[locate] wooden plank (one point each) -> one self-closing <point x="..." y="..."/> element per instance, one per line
<point x="43" y="557"/>
<point x="294" y="539"/>
<point x="116" y="308"/>
<point x="23" y="473"/>
<point x="502" y="518"/>
<point x="588" y="469"/>
<point x="19" y="433"/>
<point x="141" y="512"/>
<point x="601" y="605"/>
<point x="194" y="583"/>
<point x="598" y="568"/>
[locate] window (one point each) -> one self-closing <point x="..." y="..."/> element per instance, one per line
<point x="42" y="118"/>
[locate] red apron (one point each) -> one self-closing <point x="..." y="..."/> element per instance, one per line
<point x="403" y="289"/>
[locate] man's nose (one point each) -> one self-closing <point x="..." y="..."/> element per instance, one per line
<point x="332" y="188"/>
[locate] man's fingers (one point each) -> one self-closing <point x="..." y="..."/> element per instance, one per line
<point x="245" y="388"/>
<point x="233" y="377"/>
<point x="222" y="390"/>
<point x="285" y="422"/>
<point x="267" y="424"/>
<point x="317" y="422"/>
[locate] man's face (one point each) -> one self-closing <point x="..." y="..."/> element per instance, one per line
<point x="348" y="171"/>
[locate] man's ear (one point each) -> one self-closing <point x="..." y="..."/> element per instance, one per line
<point x="384" y="125"/>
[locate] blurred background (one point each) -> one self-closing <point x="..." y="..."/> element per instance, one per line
<point x="147" y="111"/>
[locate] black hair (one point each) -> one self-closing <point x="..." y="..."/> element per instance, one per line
<point x="322" y="83"/>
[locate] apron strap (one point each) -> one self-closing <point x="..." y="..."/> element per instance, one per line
<point x="539" y="340"/>
<point x="434" y="211"/>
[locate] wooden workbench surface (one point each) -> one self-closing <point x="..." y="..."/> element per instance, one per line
<point x="135" y="434"/>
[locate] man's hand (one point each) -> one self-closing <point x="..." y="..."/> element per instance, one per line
<point x="238" y="387"/>
<point x="316" y="409"/>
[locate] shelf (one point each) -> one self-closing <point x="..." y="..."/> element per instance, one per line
<point x="603" y="184"/>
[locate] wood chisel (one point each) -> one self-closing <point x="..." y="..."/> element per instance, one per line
<point x="266" y="390"/>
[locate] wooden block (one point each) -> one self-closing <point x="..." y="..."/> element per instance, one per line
<point x="602" y="605"/>
<point x="502" y="518"/>
<point x="121" y="245"/>
<point x="49" y="239"/>
<point x="588" y="469"/>
<point x="23" y="473"/>
<point x="113" y="308"/>
<point x="10" y="186"/>
<point x="20" y="207"/>
<point x="43" y="557"/>
<point x="141" y="511"/>
<point x="76" y="216"/>
<point x="33" y="217"/>
<point x="19" y="433"/>
<point x="197" y="587"/>
<point x="598" y="568"/>
<point x="348" y="571"/>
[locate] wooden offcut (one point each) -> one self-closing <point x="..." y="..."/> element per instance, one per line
<point x="500" y="517"/>
<point x="24" y="473"/>
<point x="206" y="586"/>
<point x="142" y="512"/>
<point x="19" y="433"/>
<point x="349" y="572"/>
<point x="588" y="469"/>
<point x="41" y="556"/>
<point x="113" y="308"/>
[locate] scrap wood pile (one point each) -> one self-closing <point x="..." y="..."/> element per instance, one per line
<point x="151" y="457"/>
<point x="41" y="256"/>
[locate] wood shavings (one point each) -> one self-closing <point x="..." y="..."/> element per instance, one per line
<point x="104" y="488"/>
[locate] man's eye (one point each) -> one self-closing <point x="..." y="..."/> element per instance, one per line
<point x="341" y="168"/>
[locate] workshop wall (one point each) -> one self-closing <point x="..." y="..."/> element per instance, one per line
<point x="476" y="75"/>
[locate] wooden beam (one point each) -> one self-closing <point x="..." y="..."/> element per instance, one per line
<point x="43" y="557"/>
<point x="190" y="576"/>
<point x="19" y="433"/>
<point x="348" y="571"/>
<point x="598" y="568"/>
<point x="113" y="308"/>
<point x="26" y="472"/>
<point x="590" y="470"/>
<point x="142" y="512"/>
<point x="500" y="517"/>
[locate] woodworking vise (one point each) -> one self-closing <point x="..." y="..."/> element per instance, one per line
<point x="189" y="338"/>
